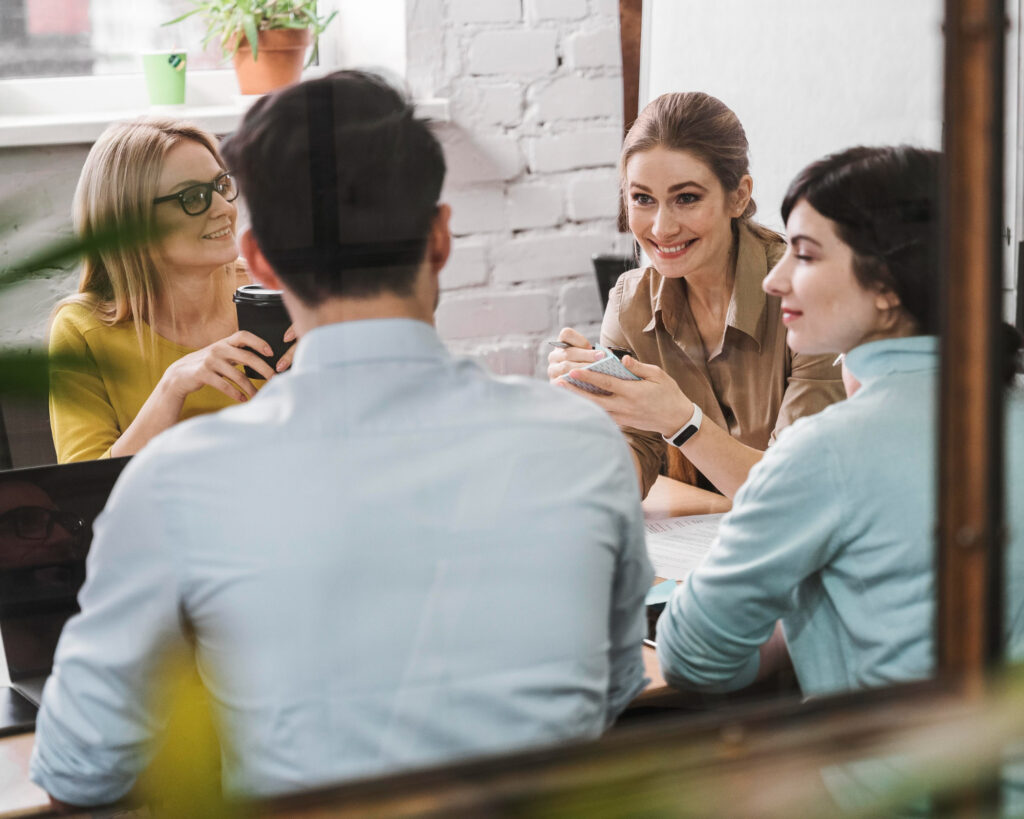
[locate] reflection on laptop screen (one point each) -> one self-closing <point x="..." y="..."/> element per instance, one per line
<point x="46" y="517"/>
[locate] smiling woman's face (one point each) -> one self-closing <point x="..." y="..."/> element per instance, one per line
<point x="203" y="242"/>
<point x="824" y="307"/>
<point x="680" y="213"/>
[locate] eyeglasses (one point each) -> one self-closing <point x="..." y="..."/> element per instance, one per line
<point x="36" y="522"/>
<point x="196" y="199"/>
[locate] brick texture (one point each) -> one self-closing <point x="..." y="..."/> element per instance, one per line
<point x="596" y="48"/>
<point x="554" y="256"/>
<point x="526" y="52"/>
<point x="485" y="11"/>
<point x="581" y="148"/>
<point x="532" y="149"/>
<point x="535" y="206"/>
<point x="579" y="98"/>
<point x="494" y="314"/>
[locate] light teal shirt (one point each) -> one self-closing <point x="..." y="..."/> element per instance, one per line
<point x="833" y="533"/>
<point x="390" y="559"/>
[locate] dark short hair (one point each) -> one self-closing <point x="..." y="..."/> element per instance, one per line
<point x="342" y="183"/>
<point x="885" y="204"/>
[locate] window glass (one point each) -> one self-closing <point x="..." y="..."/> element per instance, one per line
<point x="60" y="38"/>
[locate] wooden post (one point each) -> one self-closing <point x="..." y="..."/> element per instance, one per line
<point x="970" y="499"/>
<point x="630" y="16"/>
<point x="630" y="26"/>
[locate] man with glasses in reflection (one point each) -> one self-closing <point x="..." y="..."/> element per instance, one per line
<point x="389" y="558"/>
<point x="41" y="568"/>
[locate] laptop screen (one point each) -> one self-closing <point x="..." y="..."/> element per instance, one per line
<point x="46" y="517"/>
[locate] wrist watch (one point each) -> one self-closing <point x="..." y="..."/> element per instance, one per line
<point x="688" y="430"/>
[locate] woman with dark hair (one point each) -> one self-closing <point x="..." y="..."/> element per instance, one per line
<point x="718" y="381"/>
<point x="832" y="533"/>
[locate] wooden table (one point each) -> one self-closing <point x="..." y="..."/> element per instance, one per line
<point x="668" y="498"/>
<point x="18" y="796"/>
<point x="671" y="499"/>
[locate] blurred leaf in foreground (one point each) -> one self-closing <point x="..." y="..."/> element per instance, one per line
<point x="24" y="372"/>
<point x="62" y="251"/>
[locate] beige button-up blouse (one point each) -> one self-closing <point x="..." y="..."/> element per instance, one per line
<point x="754" y="386"/>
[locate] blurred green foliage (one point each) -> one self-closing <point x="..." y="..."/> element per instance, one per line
<point x="23" y="370"/>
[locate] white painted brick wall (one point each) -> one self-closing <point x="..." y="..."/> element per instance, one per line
<point x="532" y="205"/>
<point x="584" y="147"/>
<point x="580" y="304"/>
<point x="590" y="49"/>
<point x="485" y="11"/>
<point x="476" y="210"/>
<point x="535" y="93"/>
<point x="508" y="358"/>
<point x="536" y="97"/>
<point x="594" y="196"/>
<point x="604" y="8"/>
<point x="475" y="157"/>
<point x="579" y="98"/>
<point x="467" y="265"/>
<point x="494" y="314"/>
<point x="551" y="256"/>
<point x="498" y="104"/>
<point x="528" y="52"/>
<point x="539" y="10"/>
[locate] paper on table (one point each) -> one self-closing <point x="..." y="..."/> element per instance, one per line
<point x="677" y="546"/>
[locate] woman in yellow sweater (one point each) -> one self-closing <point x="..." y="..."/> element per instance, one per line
<point x="152" y="332"/>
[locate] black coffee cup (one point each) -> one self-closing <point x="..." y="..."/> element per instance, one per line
<point x="262" y="313"/>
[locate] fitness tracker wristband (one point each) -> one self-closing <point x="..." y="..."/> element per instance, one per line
<point x="688" y="430"/>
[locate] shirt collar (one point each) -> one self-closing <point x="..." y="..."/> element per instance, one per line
<point x="893" y="355"/>
<point x="368" y="340"/>
<point x="747" y="303"/>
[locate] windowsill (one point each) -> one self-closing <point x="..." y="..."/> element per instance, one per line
<point x="76" y="110"/>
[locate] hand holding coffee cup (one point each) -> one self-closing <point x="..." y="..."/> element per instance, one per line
<point x="216" y="365"/>
<point x="262" y="313"/>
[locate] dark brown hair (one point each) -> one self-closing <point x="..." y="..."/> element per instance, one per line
<point x="884" y="203"/>
<point x="342" y="183"/>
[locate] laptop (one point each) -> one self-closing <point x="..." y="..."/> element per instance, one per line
<point x="46" y="517"/>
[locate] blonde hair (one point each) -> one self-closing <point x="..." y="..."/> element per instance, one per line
<point x="704" y="126"/>
<point x="116" y="190"/>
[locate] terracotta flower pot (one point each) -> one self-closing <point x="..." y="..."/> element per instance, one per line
<point x="280" y="55"/>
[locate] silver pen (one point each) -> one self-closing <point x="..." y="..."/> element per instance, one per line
<point x="618" y="352"/>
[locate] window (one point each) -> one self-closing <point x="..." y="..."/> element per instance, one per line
<point x="62" y="38"/>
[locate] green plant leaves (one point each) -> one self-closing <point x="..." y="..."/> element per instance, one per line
<point x="24" y="371"/>
<point x="62" y="251"/>
<point x="229" y="20"/>
<point x="252" y="35"/>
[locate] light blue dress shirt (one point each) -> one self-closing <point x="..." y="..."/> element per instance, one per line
<point x="390" y="559"/>
<point x="833" y="533"/>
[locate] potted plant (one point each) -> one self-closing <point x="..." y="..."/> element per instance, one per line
<point x="266" y="39"/>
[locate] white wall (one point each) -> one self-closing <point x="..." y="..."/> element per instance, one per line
<point x="365" y="33"/>
<point x="805" y="77"/>
<point x="536" y="95"/>
<point x="535" y="90"/>
<point x="535" y="87"/>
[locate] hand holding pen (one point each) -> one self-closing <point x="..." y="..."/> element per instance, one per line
<point x="571" y="350"/>
<point x="653" y="402"/>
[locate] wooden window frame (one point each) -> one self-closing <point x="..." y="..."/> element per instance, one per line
<point x="688" y="762"/>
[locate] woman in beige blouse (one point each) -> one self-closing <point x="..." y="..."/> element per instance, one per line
<point x="708" y="344"/>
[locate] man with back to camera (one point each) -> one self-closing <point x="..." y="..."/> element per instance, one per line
<point x="388" y="558"/>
